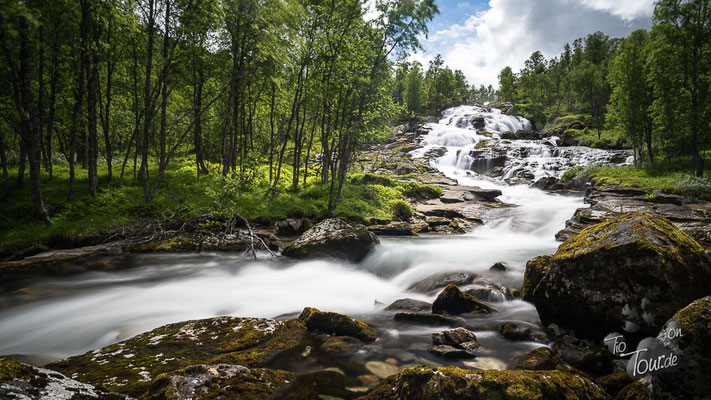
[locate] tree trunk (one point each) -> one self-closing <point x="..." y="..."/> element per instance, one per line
<point x="91" y="101"/>
<point x="147" y="114"/>
<point x="3" y="162"/>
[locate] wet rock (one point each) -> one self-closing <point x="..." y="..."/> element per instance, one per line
<point x="478" y="122"/>
<point x="368" y="380"/>
<point x="427" y="383"/>
<point x="129" y="367"/>
<point x="460" y="226"/>
<point x="220" y="381"/>
<point x="487" y="294"/>
<point x="436" y="282"/>
<point x="338" y="324"/>
<point x="485" y="194"/>
<point x="381" y="369"/>
<point x="484" y="160"/>
<point x="660" y="197"/>
<point x="22" y="381"/>
<point x="341" y="345"/>
<point x="436" y="152"/>
<point x="499" y="267"/>
<point x="584" y="354"/>
<point x="456" y="196"/>
<point x="550" y="184"/>
<point x="471" y="211"/>
<point x="541" y="358"/>
<point x="395" y="229"/>
<point x="409" y="305"/>
<point x="453" y="301"/>
<point x="629" y="273"/>
<point x="292" y="226"/>
<point x="333" y="238"/>
<point x="637" y="390"/>
<point x="437" y="221"/>
<point x="459" y="338"/>
<point x="519" y="331"/>
<point x="447" y="351"/>
<point x="692" y="380"/>
<point x="428" y="319"/>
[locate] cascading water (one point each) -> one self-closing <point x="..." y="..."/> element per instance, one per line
<point x="56" y="317"/>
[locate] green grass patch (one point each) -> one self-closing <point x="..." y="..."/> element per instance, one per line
<point x="652" y="177"/>
<point x="182" y="196"/>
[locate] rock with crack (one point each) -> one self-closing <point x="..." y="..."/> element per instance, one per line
<point x="409" y="305"/>
<point x="334" y="238"/>
<point x="454" y="343"/>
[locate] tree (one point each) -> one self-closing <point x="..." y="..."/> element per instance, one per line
<point x="507" y="88"/>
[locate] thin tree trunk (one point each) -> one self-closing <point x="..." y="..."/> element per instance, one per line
<point x="147" y="114"/>
<point x="91" y="101"/>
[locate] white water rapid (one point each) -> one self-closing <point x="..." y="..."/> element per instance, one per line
<point x="65" y="316"/>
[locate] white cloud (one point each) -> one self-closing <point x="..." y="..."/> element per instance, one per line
<point x="510" y="30"/>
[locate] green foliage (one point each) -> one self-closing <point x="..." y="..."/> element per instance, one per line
<point x="401" y="210"/>
<point x="657" y="176"/>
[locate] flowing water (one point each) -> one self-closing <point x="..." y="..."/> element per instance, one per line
<point x="58" y="317"/>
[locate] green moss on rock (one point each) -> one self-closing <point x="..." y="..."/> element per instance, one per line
<point x="536" y="269"/>
<point x="445" y="383"/>
<point x="129" y="366"/>
<point x="337" y="324"/>
<point x="11" y="370"/>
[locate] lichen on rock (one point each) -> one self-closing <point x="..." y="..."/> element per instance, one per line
<point x="333" y="238"/>
<point x="129" y="366"/>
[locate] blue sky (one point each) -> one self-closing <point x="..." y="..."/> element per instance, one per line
<point x="481" y="37"/>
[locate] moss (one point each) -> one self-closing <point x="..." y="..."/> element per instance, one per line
<point x="219" y="382"/>
<point x="650" y="233"/>
<point x="11" y="370"/>
<point x="129" y="366"/>
<point x="695" y="320"/>
<point x="536" y="269"/>
<point x="454" y="383"/>
<point x="339" y="324"/>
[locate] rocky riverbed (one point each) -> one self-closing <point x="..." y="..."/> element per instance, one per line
<point x="472" y="297"/>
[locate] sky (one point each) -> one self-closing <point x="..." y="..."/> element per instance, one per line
<point x="481" y="37"/>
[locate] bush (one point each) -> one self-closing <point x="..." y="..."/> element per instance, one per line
<point x="401" y="210"/>
<point x="694" y="187"/>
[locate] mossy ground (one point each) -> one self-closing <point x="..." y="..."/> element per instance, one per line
<point x="11" y="370"/>
<point x="182" y="196"/>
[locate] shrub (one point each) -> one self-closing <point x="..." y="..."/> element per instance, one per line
<point x="695" y="187"/>
<point x="401" y="210"/>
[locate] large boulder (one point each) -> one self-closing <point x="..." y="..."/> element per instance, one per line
<point x="129" y="367"/>
<point x="22" y="381"/>
<point x="333" y="238"/>
<point x="453" y="301"/>
<point x="690" y="341"/>
<point x="629" y="273"/>
<point x="445" y="383"/>
<point x="337" y="324"/>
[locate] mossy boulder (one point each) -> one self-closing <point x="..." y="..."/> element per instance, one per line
<point x="630" y="273"/>
<point x="445" y="383"/>
<point x="541" y="358"/>
<point x="453" y="301"/>
<point x="130" y="366"/>
<point x="692" y="380"/>
<point x="22" y="381"/>
<point x="220" y="381"/>
<point x="333" y="238"/>
<point x="337" y="324"/>
<point x="535" y="271"/>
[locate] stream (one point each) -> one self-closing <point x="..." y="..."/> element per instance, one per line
<point x="58" y="317"/>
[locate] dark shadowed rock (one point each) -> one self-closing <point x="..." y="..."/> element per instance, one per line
<point x="395" y="229"/>
<point x="541" y="358"/>
<point x="584" y="354"/>
<point x="614" y="383"/>
<point x="447" y="351"/>
<point x="292" y="226"/>
<point x="499" y="267"/>
<point x="520" y="331"/>
<point x="453" y="301"/>
<point x="22" y="381"/>
<point x="450" y="383"/>
<point x="692" y="380"/>
<point x="341" y="344"/>
<point x="629" y="273"/>
<point x="338" y="324"/>
<point x="333" y="238"/>
<point x="409" y="305"/>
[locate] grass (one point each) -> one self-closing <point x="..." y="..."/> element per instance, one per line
<point x="365" y="197"/>
<point x="667" y="177"/>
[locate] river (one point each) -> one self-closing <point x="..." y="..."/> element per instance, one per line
<point x="59" y="317"/>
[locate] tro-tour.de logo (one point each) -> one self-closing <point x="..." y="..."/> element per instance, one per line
<point x="653" y="354"/>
